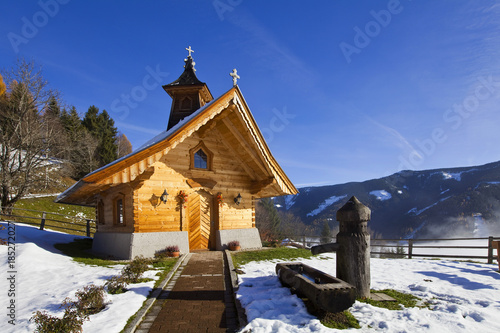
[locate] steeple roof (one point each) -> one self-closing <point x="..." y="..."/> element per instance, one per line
<point x="187" y="92"/>
<point x="188" y="77"/>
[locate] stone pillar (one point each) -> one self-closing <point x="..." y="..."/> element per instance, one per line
<point x="353" y="253"/>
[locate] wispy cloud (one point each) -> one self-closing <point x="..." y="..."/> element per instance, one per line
<point x="396" y="138"/>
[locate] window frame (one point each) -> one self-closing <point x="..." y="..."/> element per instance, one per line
<point x="116" y="200"/>
<point x="192" y="152"/>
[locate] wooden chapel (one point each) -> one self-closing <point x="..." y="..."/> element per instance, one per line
<point x="194" y="185"/>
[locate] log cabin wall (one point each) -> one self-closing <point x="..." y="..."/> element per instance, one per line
<point x="172" y="172"/>
<point x="108" y="220"/>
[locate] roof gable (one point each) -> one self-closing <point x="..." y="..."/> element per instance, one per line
<point x="230" y="116"/>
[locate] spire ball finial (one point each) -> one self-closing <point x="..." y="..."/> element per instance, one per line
<point x="189" y="50"/>
<point x="235" y="76"/>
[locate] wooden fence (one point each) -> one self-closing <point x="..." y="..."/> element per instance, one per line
<point x="55" y="221"/>
<point x="411" y="248"/>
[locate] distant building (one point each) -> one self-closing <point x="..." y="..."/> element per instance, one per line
<point x="194" y="186"/>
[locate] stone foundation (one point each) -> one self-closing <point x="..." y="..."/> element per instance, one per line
<point x="248" y="238"/>
<point x="129" y="245"/>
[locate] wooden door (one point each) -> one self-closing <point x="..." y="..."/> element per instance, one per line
<point x="199" y="213"/>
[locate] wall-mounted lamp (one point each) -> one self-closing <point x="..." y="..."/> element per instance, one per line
<point x="164" y="196"/>
<point x="237" y="199"/>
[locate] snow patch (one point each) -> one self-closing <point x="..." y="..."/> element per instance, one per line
<point x="455" y="175"/>
<point x="381" y="195"/>
<point x="331" y="200"/>
<point x="290" y="201"/>
<point x="418" y="212"/>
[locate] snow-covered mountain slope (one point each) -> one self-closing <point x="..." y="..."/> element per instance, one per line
<point x="432" y="203"/>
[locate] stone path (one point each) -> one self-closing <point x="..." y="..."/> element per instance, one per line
<point x="197" y="299"/>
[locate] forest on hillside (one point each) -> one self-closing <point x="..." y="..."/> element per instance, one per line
<point x="37" y="128"/>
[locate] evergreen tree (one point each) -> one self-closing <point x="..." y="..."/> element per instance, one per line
<point x="326" y="233"/>
<point x="53" y="110"/>
<point x="270" y="220"/>
<point x="107" y="149"/>
<point x="90" y="121"/>
<point x="101" y="127"/>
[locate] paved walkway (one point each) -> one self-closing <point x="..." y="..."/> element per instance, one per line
<point x="197" y="299"/>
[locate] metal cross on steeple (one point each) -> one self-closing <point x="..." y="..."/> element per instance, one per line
<point x="189" y="50"/>
<point x="235" y="76"/>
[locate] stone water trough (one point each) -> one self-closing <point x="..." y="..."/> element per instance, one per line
<point x="324" y="291"/>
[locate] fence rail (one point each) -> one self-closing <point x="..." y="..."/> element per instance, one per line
<point x="76" y="224"/>
<point x="407" y="248"/>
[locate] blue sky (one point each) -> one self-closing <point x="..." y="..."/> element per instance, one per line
<point x="342" y="90"/>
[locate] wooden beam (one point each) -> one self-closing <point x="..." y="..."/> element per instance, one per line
<point x="244" y="143"/>
<point x="201" y="182"/>
<point x="251" y="173"/>
<point x="261" y="185"/>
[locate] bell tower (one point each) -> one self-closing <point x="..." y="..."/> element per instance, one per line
<point x="187" y="92"/>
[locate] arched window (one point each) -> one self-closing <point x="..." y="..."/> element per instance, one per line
<point x="200" y="160"/>
<point x="186" y="104"/>
<point x="119" y="210"/>
<point x="201" y="157"/>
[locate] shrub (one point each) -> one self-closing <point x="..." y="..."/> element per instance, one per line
<point x="172" y="248"/>
<point x="71" y="321"/>
<point x="133" y="271"/>
<point x="90" y="300"/>
<point x="116" y="285"/>
<point x="233" y="244"/>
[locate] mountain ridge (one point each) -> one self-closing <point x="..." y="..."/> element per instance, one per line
<point x="412" y="204"/>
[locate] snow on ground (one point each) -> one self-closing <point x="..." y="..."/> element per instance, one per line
<point x="44" y="278"/>
<point x="331" y="200"/>
<point x="381" y="195"/>
<point x="465" y="297"/>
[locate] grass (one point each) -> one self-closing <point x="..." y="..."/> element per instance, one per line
<point x="281" y="253"/>
<point x="402" y="299"/>
<point x="47" y="204"/>
<point x="165" y="265"/>
<point x="340" y="321"/>
<point x="78" y="250"/>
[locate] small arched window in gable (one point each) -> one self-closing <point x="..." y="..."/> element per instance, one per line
<point x="201" y="157"/>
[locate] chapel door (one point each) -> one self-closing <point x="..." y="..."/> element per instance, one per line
<point x="199" y="214"/>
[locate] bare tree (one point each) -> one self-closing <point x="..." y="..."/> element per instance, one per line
<point x="124" y="145"/>
<point x="25" y="140"/>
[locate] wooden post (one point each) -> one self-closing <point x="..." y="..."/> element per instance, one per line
<point x="42" y="223"/>
<point x="353" y="253"/>
<point x="88" y="228"/>
<point x="490" y="250"/>
<point x="496" y="244"/>
<point x="410" y="248"/>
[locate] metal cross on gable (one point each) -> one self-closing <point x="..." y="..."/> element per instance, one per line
<point x="235" y="76"/>
<point x="189" y="50"/>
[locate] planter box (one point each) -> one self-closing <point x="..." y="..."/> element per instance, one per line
<point x="326" y="292"/>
